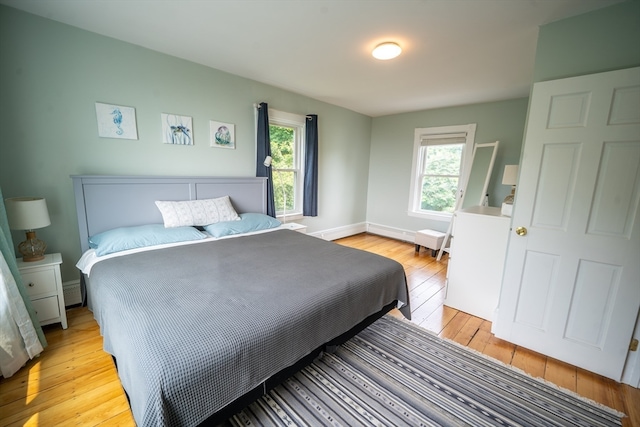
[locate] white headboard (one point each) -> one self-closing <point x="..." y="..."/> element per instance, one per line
<point x="106" y="202"/>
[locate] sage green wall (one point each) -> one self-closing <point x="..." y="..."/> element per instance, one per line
<point x="392" y="139"/>
<point x="603" y="40"/>
<point x="52" y="74"/>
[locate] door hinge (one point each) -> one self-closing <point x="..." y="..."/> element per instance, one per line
<point x="634" y="345"/>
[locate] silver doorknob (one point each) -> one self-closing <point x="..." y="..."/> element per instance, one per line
<point x="521" y="231"/>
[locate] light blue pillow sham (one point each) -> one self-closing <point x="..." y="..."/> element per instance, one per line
<point x="121" y="239"/>
<point x="248" y="222"/>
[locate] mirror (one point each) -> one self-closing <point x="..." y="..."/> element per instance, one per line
<point x="476" y="184"/>
<point x="482" y="161"/>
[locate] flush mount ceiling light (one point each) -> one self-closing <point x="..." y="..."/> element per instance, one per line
<point x="386" y="50"/>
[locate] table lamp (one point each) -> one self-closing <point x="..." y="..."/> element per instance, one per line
<point x="28" y="213"/>
<point x="510" y="177"/>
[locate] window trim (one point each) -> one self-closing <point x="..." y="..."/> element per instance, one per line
<point x="297" y="121"/>
<point x="415" y="188"/>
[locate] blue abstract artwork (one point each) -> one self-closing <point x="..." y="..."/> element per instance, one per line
<point x="116" y="121"/>
<point x="177" y="130"/>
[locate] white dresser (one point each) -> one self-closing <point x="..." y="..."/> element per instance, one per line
<point x="476" y="260"/>
<point x="44" y="284"/>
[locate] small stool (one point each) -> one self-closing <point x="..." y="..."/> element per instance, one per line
<point x="430" y="239"/>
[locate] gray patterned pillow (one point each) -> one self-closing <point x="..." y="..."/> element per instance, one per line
<point x="197" y="212"/>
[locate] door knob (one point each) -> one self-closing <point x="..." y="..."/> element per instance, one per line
<point x="521" y="231"/>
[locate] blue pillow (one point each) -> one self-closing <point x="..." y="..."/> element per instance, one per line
<point x="121" y="239"/>
<point x="248" y="222"/>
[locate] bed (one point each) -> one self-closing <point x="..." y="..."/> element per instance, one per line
<point x="200" y="328"/>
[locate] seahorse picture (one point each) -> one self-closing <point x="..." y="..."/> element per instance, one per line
<point x="116" y="121"/>
<point x="223" y="135"/>
<point x="177" y="130"/>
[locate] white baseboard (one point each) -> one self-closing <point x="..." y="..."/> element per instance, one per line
<point x="392" y="232"/>
<point x="340" y="232"/>
<point x="365" y="227"/>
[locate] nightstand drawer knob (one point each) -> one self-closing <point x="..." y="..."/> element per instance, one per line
<point x="31" y="284"/>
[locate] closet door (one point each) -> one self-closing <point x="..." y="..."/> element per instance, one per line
<point x="571" y="287"/>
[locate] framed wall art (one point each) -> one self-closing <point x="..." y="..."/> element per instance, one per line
<point x="116" y="121"/>
<point x="177" y="130"/>
<point x="223" y="135"/>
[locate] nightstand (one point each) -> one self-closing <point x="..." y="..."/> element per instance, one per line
<point x="295" y="227"/>
<point x="43" y="282"/>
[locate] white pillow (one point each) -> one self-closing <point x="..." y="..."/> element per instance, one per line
<point x="197" y="212"/>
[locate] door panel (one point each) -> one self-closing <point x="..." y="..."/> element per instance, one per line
<point x="557" y="185"/>
<point x="571" y="287"/>
<point x="591" y="305"/>
<point x="626" y="106"/>
<point x="616" y="196"/>
<point x="569" y="111"/>
<point x="538" y="277"/>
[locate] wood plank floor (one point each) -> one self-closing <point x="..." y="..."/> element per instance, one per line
<point x="75" y="383"/>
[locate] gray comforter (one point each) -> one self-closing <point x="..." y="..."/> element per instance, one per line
<point x="197" y="326"/>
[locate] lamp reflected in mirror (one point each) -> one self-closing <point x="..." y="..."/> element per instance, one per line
<point x="510" y="177"/>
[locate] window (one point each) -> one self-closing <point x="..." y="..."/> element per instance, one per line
<point x="286" y="132"/>
<point x="441" y="162"/>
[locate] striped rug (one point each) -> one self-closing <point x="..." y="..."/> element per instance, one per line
<point x="397" y="374"/>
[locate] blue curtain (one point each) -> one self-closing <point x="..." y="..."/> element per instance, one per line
<point x="21" y="336"/>
<point x="263" y="150"/>
<point x="310" y="191"/>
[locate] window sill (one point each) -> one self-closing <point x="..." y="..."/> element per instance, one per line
<point x="290" y="217"/>
<point x="444" y="217"/>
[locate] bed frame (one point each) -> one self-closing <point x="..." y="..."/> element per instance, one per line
<point x="106" y="202"/>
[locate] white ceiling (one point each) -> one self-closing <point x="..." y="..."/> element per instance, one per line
<point x="455" y="51"/>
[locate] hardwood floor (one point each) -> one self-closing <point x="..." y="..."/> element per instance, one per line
<point x="74" y="382"/>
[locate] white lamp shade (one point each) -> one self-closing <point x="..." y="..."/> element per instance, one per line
<point x="510" y="176"/>
<point x="27" y="213"/>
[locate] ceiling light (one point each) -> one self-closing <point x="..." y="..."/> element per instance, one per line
<point x="386" y="50"/>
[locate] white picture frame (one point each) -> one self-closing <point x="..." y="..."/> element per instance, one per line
<point x="116" y="121"/>
<point x="177" y="130"/>
<point x="222" y="135"/>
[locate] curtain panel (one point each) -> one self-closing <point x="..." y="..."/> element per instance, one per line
<point x="263" y="145"/>
<point x="310" y="190"/>
<point x="21" y="336"/>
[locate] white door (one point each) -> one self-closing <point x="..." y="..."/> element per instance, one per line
<point x="571" y="287"/>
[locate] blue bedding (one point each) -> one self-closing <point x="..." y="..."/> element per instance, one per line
<point x="195" y="327"/>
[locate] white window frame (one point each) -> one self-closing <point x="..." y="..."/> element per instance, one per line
<point x="298" y="122"/>
<point x="415" y="194"/>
